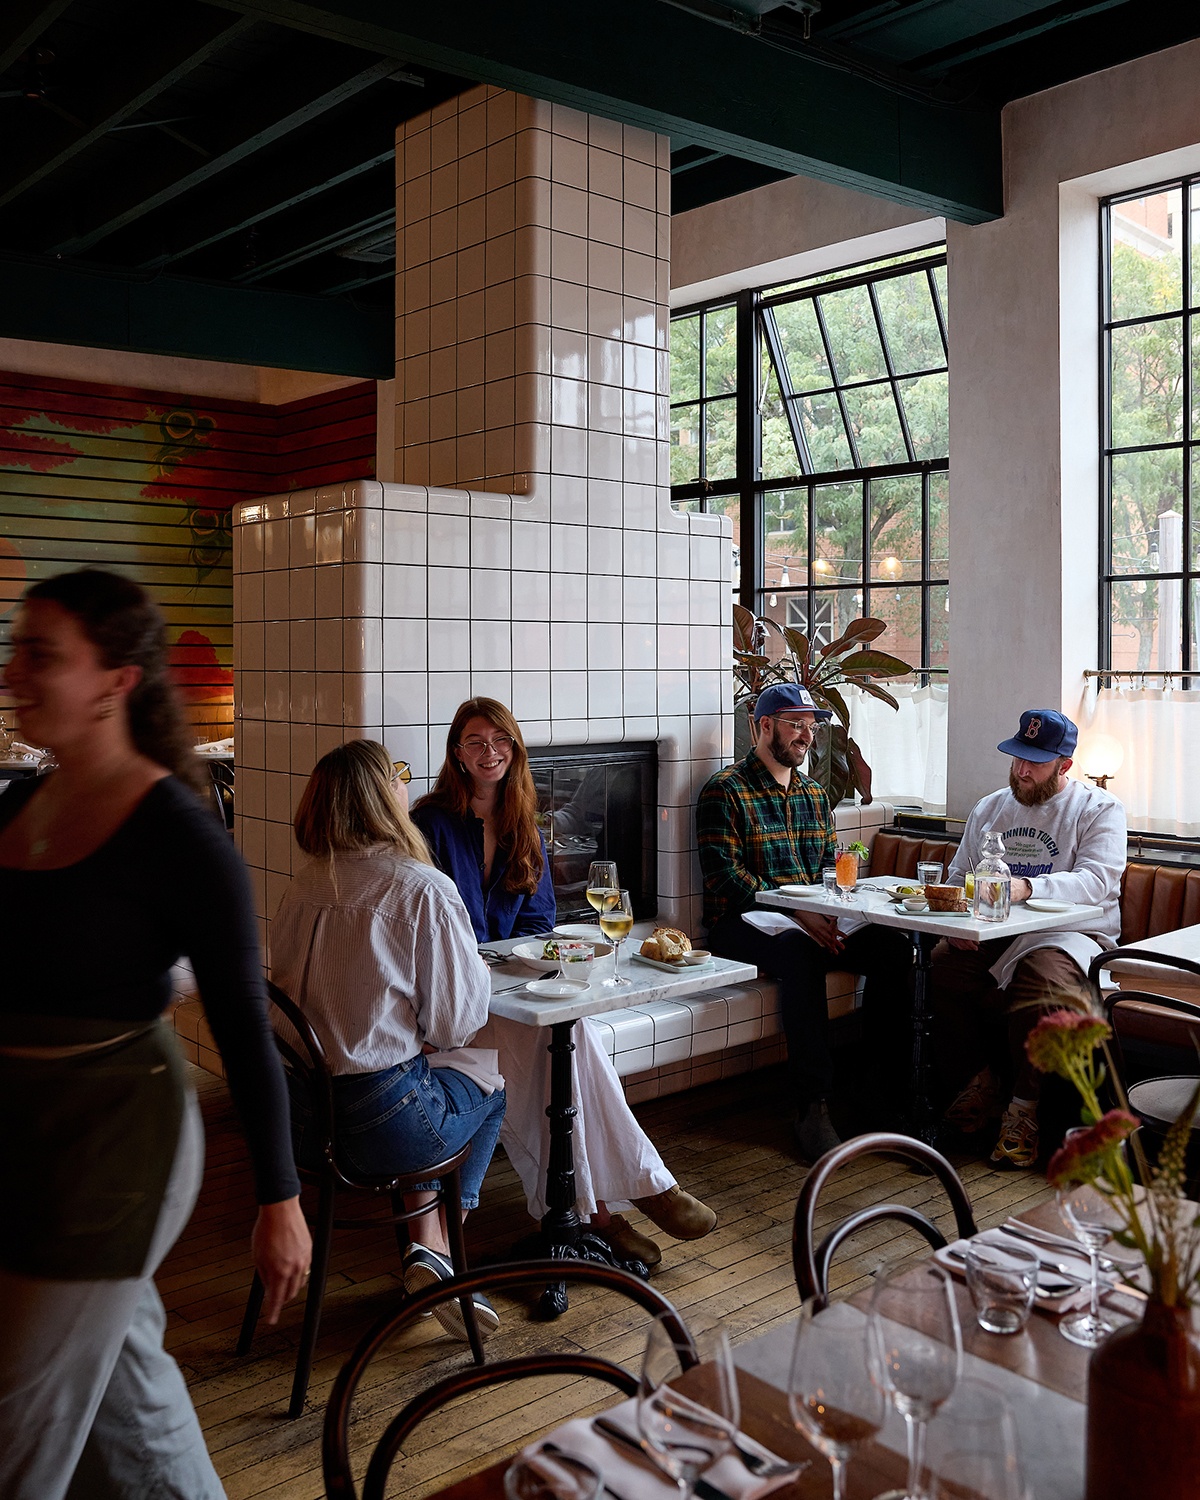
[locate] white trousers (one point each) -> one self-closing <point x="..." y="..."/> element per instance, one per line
<point x="615" y="1160"/>
<point x="91" y="1405"/>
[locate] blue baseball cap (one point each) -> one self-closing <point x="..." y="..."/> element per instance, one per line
<point x="1044" y="734"/>
<point x="788" y="697"/>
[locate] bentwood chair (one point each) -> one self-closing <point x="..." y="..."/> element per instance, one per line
<point x="811" y="1265"/>
<point x="335" y="1442"/>
<point x="305" y="1059"/>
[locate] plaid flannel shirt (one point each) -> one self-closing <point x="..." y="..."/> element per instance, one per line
<point x="754" y="836"/>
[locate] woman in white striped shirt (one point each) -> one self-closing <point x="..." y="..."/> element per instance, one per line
<point x="374" y="945"/>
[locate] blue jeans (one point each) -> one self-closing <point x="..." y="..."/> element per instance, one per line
<point x="408" y="1117"/>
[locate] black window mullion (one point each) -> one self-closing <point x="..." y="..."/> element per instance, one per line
<point x="748" y="440"/>
<point x="939" y="311"/>
<point x="787" y="394"/>
<point x="1104" y="623"/>
<point x="1186" y="560"/>
<point x="926" y="623"/>
<point x="891" y="369"/>
<point x="833" y="370"/>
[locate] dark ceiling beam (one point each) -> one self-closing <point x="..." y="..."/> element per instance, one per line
<point x="21" y="23"/>
<point x="49" y="302"/>
<point x="997" y="38"/>
<point x="878" y="16"/>
<point x="272" y="114"/>
<point x="311" y="246"/>
<point x="654" y="65"/>
<point x="191" y="40"/>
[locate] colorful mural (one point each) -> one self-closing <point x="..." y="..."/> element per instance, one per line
<point x="145" y="483"/>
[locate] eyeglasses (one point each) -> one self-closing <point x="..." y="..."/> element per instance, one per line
<point x="476" y="745"/>
<point x="799" y="725"/>
<point x="401" y="771"/>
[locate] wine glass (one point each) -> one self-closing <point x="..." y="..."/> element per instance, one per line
<point x="1091" y="1218"/>
<point x="915" y="1349"/>
<point x="834" y="1401"/>
<point x="684" y="1436"/>
<point x="547" y="1473"/>
<point x="616" y="920"/>
<point x="602" y="881"/>
<point x="972" y="1446"/>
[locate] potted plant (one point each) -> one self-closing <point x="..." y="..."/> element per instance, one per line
<point x="835" y="761"/>
<point x="1144" y="1380"/>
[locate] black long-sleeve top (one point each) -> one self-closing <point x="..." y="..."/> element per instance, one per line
<point x="98" y="939"/>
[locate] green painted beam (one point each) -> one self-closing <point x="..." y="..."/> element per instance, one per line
<point x="51" y="302"/>
<point x="652" y="64"/>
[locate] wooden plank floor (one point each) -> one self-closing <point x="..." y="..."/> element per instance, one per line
<point x="729" y="1142"/>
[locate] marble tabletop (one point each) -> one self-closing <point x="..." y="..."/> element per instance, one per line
<point x="872" y="903"/>
<point x="1184" y="942"/>
<point x="511" y="999"/>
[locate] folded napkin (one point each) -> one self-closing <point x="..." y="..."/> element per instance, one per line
<point x="1050" y="1257"/>
<point x="632" y="1477"/>
<point x="775" y="922"/>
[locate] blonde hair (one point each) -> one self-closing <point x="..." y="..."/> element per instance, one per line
<point x="349" y="804"/>
<point x="516" y="802"/>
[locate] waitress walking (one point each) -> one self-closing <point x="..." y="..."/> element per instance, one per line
<point x="111" y="868"/>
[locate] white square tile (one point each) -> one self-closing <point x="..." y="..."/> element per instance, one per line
<point x="491" y="648"/>
<point x="605" y="642"/>
<point x="490" y="542"/>
<point x="446" y="691"/>
<point x="449" y="540"/>
<point x="491" y="594"/>
<point x="530" y="645"/>
<point x="568" y="646"/>
<point x="532" y="592"/>
<point x="406" y="698"/>
<point x="530" y="544"/>
<point x="673" y="647"/>
<point x="449" y="593"/>
<point x="449" y="648"/>
<point x="568" y="597"/>
<point x="404" y="538"/>
<point x="531" y="696"/>
<point x="641" y="697"/>
<point x="568" y="694"/>
<point x="605" y="596"/>
<point x="641" y="599"/>
<point x="276" y="596"/>
<point x="604" y="694"/>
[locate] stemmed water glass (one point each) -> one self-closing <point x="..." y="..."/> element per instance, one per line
<point x="616" y="921"/>
<point x="1091" y="1218"/>
<point x="834" y="1401"/>
<point x="915" y="1350"/>
<point x="683" y="1436"/>
<point x="973" y="1449"/>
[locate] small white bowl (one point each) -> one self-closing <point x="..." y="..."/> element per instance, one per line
<point x="915" y="903"/>
<point x="697" y="956"/>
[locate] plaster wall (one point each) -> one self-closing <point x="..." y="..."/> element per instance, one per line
<point x="1024" y="298"/>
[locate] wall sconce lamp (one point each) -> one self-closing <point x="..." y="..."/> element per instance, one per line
<point x="1102" y="759"/>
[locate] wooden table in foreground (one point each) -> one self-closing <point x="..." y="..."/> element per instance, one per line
<point x="1040" y="1372"/>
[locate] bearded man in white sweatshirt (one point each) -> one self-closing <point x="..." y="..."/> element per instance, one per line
<point x="1065" y="840"/>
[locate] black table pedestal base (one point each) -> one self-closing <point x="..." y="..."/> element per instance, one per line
<point x="922" y="1122"/>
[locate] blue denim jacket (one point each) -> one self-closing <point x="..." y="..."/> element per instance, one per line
<point x="457" y="846"/>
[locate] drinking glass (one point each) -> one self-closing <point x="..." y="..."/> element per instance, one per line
<point x="829" y="880"/>
<point x="602" y="881"/>
<point x="915" y="1349"/>
<point x="929" y="872"/>
<point x="973" y="1448"/>
<point x="545" y="1474"/>
<point x="1003" y="1283"/>
<point x="1092" y="1219"/>
<point x="847" y="873"/>
<point x="616" y="919"/>
<point x="834" y="1401"/>
<point x="683" y="1436"/>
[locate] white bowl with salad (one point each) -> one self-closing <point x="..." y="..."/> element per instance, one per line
<point x="550" y="954"/>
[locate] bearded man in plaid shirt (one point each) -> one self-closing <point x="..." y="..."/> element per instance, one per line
<point x="762" y="824"/>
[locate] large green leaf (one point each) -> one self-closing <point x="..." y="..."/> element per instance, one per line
<point x="860" y="771"/>
<point x="876" y="692"/>
<point x="801" y="649"/>
<point x="875" y="664"/>
<point x="858" y="632"/>
<point x="829" y="697"/>
<point x="744" y="622"/>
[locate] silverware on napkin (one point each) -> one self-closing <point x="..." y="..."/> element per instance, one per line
<point x="702" y="1487"/>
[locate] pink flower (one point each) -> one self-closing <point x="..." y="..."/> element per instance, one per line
<point x="1065" y="1039"/>
<point x="1086" y="1154"/>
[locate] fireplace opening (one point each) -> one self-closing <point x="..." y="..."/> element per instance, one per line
<point x="598" y="802"/>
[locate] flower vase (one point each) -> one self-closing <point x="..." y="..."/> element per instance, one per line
<point x="1143" y="1419"/>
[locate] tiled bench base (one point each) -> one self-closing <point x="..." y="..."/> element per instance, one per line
<point x="659" y="1048"/>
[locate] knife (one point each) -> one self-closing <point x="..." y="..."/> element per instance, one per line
<point x="702" y="1487"/>
<point x="1046" y="1239"/>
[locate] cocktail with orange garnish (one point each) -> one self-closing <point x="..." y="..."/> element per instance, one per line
<point x="847" y="868"/>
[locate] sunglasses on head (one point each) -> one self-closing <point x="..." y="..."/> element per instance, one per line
<point x="401" y="771"/>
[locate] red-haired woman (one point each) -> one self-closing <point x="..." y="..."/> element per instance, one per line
<point x="480" y="824"/>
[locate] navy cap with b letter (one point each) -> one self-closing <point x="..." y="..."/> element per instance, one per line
<point x="788" y="697"/>
<point x="1044" y="735"/>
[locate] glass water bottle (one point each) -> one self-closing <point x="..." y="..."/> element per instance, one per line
<point x="993" y="882"/>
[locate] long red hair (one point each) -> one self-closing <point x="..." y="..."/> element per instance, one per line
<point x="516" y="801"/>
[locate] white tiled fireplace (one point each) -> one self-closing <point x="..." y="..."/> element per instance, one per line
<point x="528" y="550"/>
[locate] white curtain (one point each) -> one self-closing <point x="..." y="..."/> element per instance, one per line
<point x="1159" y="779"/>
<point x="906" y="749"/>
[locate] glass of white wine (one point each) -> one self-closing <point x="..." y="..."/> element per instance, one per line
<point x="616" y="919"/>
<point x="602" y="881"/>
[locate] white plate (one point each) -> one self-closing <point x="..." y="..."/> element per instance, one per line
<point x="801" y="890"/>
<point x="588" y="931"/>
<point x="1042" y="903"/>
<point x="557" y="989"/>
<point x="530" y="953"/>
<point x="672" y="968"/>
